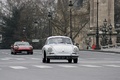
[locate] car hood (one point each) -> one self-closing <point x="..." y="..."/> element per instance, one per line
<point x="63" y="48"/>
<point x="24" y="47"/>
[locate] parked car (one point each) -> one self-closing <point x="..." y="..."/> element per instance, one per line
<point x="60" y="47"/>
<point x="21" y="47"/>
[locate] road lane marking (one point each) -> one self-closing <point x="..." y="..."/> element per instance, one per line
<point x="99" y="61"/>
<point x="113" y="66"/>
<point x="19" y="58"/>
<point x="18" y="67"/>
<point x="12" y="59"/>
<point x="35" y="58"/>
<point x="4" y="53"/>
<point x="42" y="66"/>
<point x="67" y="66"/>
<point x="90" y="66"/>
<point x="6" y="58"/>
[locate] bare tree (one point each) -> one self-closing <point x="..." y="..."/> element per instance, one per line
<point x="80" y="18"/>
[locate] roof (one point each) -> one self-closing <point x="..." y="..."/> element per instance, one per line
<point x="58" y="36"/>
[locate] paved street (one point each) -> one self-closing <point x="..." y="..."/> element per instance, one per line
<point x="91" y="66"/>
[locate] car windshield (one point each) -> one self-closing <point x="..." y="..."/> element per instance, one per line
<point x="22" y="43"/>
<point x="59" y="40"/>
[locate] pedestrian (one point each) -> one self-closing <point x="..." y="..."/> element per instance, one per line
<point x="93" y="46"/>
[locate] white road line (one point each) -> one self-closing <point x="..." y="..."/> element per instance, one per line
<point x="4" y="53"/>
<point x="19" y="58"/>
<point x="35" y="58"/>
<point x="6" y="58"/>
<point x="18" y="67"/>
<point x="99" y="61"/>
<point x="12" y="59"/>
<point x="113" y="65"/>
<point x="90" y="66"/>
<point x="42" y="66"/>
<point x="67" y="66"/>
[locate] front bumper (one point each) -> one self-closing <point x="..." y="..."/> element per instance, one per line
<point x="23" y="51"/>
<point x="62" y="57"/>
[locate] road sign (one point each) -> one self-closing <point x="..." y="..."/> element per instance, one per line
<point x="35" y="40"/>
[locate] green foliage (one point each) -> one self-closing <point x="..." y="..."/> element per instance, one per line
<point x="117" y="11"/>
<point x="10" y="27"/>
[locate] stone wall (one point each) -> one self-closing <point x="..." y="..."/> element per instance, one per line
<point x="105" y="11"/>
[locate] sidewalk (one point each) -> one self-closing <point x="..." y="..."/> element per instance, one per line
<point x="107" y="50"/>
<point x="112" y="50"/>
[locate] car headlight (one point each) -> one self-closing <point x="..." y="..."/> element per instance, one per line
<point x="16" y="47"/>
<point x="31" y="47"/>
<point x="49" y="49"/>
<point x="76" y="49"/>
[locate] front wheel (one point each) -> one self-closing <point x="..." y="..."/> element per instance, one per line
<point x="75" y="60"/>
<point x="31" y="53"/>
<point x="14" y="53"/>
<point x="69" y="60"/>
<point x="11" y="52"/>
<point x="44" y="58"/>
<point x="48" y="60"/>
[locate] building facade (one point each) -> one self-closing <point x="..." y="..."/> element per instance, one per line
<point x="105" y="12"/>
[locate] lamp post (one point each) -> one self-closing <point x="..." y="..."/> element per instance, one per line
<point x="97" y="31"/>
<point x="105" y="31"/>
<point x="110" y="33"/>
<point x="35" y="27"/>
<point x="103" y="36"/>
<point x="50" y="27"/>
<point x="24" y="29"/>
<point x="70" y="4"/>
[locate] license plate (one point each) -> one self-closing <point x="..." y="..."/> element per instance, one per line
<point x="24" y="51"/>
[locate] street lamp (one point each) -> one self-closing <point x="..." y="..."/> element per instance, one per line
<point x="70" y="5"/>
<point x="24" y="29"/>
<point x="97" y="31"/>
<point x="104" y="30"/>
<point x="105" y="22"/>
<point x="50" y="27"/>
<point x="110" y="32"/>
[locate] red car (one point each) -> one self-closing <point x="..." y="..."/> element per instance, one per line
<point x="21" y="47"/>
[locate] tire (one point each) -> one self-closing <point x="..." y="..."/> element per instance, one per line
<point x="48" y="60"/>
<point x="28" y="53"/>
<point x="11" y="52"/>
<point x="14" y="53"/>
<point x="31" y="53"/>
<point x="75" y="60"/>
<point x="69" y="60"/>
<point x="44" y="59"/>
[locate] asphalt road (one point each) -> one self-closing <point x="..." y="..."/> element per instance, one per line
<point x="91" y="66"/>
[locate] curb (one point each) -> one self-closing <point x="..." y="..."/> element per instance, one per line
<point x="102" y="51"/>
